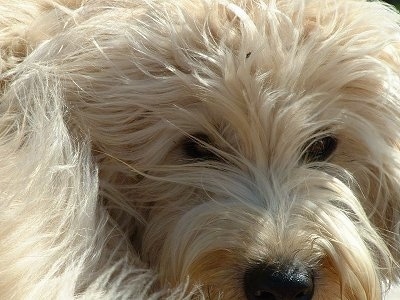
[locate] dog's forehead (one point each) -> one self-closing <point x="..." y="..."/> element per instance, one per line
<point x="274" y="56"/>
<point x="272" y="68"/>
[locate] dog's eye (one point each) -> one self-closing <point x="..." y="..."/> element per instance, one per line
<point x="320" y="150"/>
<point x="195" y="147"/>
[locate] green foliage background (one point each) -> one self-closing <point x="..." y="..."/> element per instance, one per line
<point x="394" y="2"/>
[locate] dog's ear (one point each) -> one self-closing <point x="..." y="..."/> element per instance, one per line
<point x="367" y="34"/>
<point x="389" y="57"/>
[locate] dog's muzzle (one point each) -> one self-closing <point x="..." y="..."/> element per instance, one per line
<point x="279" y="282"/>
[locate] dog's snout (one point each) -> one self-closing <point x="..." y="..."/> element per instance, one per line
<point x="272" y="282"/>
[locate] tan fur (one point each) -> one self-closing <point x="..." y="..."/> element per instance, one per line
<point x="99" y="198"/>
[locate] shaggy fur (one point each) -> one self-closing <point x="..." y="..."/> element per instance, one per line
<point x="162" y="149"/>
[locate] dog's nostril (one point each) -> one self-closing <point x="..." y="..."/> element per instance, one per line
<point x="283" y="282"/>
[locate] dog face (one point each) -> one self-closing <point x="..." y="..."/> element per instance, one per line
<point x="265" y="136"/>
<point x="247" y="148"/>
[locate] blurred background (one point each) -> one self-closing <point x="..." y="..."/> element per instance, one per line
<point x="394" y="2"/>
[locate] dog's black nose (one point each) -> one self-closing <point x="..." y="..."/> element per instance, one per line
<point x="283" y="282"/>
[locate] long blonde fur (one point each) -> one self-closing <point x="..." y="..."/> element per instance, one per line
<point x="98" y="199"/>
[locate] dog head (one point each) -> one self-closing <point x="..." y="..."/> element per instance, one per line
<point x="250" y="148"/>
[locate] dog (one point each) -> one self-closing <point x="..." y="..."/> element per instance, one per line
<point x="199" y="149"/>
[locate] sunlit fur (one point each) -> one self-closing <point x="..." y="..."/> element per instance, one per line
<point x="99" y="200"/>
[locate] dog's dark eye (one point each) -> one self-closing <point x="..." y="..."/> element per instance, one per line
<point x="320" y="150"/>
<point x="195" y="147"/>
